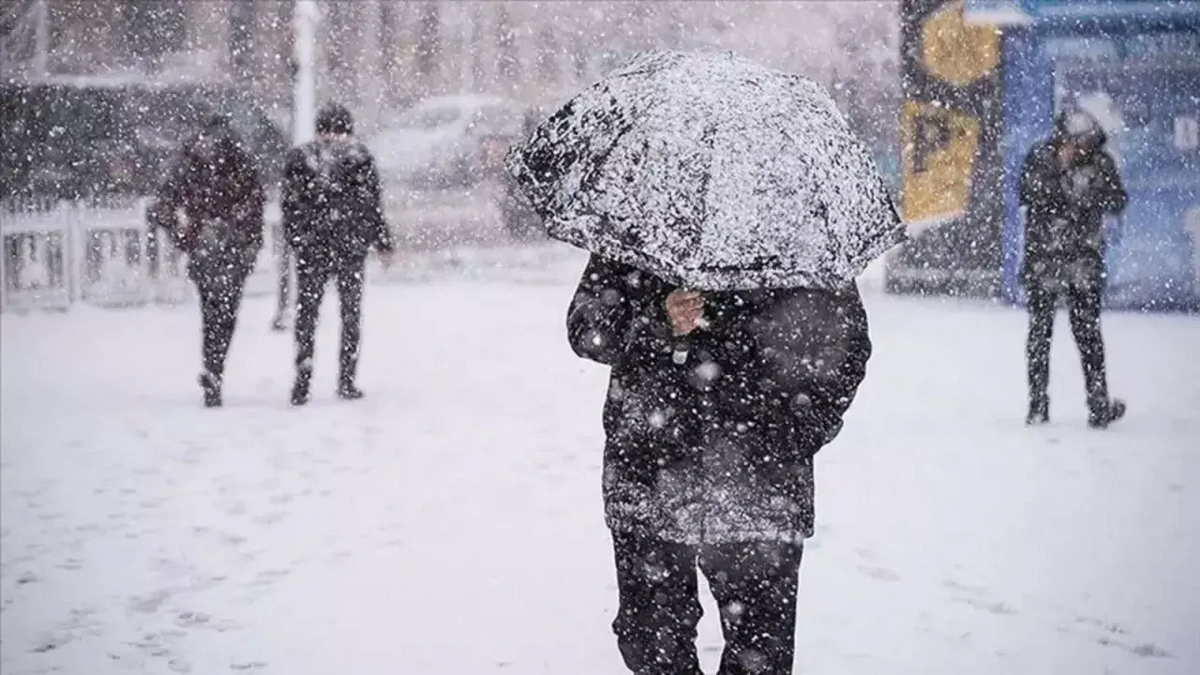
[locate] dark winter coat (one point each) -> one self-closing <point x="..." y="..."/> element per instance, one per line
<point x="332" y="201"/>
<point x="718" y="449"/>
<point x="218" y="188"/>
<point x="1064" y="228"/>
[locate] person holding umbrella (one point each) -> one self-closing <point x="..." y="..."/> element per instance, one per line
<point x="727" y="210"/>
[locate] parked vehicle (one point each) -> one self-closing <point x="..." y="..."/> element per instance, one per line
<point x="440" y="142"/>
<point x="457" y="143"/>
<point x="84" y="138"/>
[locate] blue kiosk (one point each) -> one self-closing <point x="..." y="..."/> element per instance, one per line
<point x="1134" y="65"/>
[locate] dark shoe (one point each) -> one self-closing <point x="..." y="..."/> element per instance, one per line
<point x="1108" y="415"/>
<point x="279" y="324"/>
<point x="1039" y="413"/>
<point x="349" y="392"/>
<point x="300" y="391"/>
<point x="212" y="390"/>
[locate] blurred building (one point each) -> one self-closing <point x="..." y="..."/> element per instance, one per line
<point x="380" y="56"/>
<point x="983" y="82"/>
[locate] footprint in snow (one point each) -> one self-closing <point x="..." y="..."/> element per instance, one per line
<point x="1150" y="649"/>
<point x="269" y="518"/>
<point x="192" y="619"/>
<point x="1146" y="649"/>
<point x="879" y="573"/>
<point x="998" y="608"/>
<point x="866" y="554"/>
<point x="267" y="577"/>
<point x="231" y="539"/>
<point x="44" y="646"/>
<point x="968" y="588"/>
<point x="149" y="603"/>
<point x="1111" y="627"/>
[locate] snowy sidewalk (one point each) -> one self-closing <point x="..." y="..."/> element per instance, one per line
<point x="450" y="523"/>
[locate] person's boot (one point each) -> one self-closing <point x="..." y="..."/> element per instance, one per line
<point x="301" y="387"/>
<point x="1039" y="412"/>
<point x="349" y="392"/>
<point x="279" y="323"/>
<point x="346" y="389"/>
<point x="1107" y="413"/>
<point x="211" y="385"/>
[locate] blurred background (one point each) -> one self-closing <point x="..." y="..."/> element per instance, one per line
<point x="948" y="94"/>
<point x="383" y="58"/>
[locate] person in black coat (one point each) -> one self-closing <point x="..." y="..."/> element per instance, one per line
<point x="1068" y="184"/>
<point x="717" y="404"/>
<point x="333" y="215"/>
<point x="219" y="190"/>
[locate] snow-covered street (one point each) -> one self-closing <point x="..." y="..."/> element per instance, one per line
<point x="450" y="523"/>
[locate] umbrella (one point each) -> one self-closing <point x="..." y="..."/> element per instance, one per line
<point x="712" y="172"/>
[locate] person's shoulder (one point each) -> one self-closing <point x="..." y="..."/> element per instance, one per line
<point x="1104" y="159"/>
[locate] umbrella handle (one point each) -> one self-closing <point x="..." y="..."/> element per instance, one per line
<point x="679" y="355"/>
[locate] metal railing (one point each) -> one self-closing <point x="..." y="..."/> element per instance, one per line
<point x="100" y="252"/>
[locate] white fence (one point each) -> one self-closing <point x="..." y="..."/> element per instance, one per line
<point x="55" y="255"/>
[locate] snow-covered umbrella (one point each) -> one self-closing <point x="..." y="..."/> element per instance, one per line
<point x="712" y="172"/>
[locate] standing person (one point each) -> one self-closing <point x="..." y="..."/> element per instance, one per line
<point x="1069" y="182"/>
<point x="216" y="185"/>
<point x="333" y="215"/>
<point x="716" y="405"/>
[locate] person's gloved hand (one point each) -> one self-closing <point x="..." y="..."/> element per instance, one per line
<point x="685" y="310"/>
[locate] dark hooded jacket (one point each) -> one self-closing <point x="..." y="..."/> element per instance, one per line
<point x="1065" y="207"/>
<point x="720" y="448"/>
<point x="332" y="200"/>
<point x="217" y="186"/>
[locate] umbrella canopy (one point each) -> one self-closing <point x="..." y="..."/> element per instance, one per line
<point x="712" y="172"/>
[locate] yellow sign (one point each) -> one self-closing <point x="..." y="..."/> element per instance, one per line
<point x="939" y="157"/>
<point x="956" y="52"/>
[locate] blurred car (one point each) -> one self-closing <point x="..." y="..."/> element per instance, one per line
<point x="443" y="142"/>
<point x="459" y="142"/>
<point x="80" y="137"/>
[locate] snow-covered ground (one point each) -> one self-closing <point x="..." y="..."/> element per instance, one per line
<point x="450" y="523"/>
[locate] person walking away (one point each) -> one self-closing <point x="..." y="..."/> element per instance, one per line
<point x="217" y="186"/>
<point x="333" y="215"/>
<point x="1068" y="183"/>
<point x="716" y="405"/>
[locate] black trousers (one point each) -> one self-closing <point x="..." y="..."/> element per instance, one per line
<point x="1084" y="304"/>
<point x="755" y="585"/>
<point x="220" y="282"/>
<point x="312" y="276"/>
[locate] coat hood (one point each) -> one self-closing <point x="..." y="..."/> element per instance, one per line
<point x="1082" y="127"/>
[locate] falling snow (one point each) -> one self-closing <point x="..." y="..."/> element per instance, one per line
<point x="140" y="532"/>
